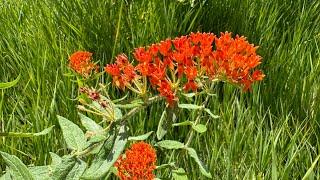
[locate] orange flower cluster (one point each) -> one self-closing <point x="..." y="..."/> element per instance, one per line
<point x="137" y="163"/>
<point x="186" y="61"/>
<point x="122" y="71"/>
<point x="80" y="62"/>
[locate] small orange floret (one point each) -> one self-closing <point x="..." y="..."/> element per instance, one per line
<point x="138" y="162"/>
<point x="80" y="62"/>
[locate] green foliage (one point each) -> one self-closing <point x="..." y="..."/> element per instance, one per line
<point x="194" y="155"/>
<point x="96" y="172"/>
<point x="6" y="85"/>
<point x="179" y="174"/>
<point x="16" y="168"/>
<point x="37" y="37"/>
<point x="72" y="134"/>
<point x="141" y="137"/>
<point x="170" y="144"/>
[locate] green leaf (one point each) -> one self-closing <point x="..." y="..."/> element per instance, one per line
<point x="189" y="95"/>
<point x="179" y="174"/>
<point x="162" y="129"/>
<point x="184" y="123"/>
<point x="189" y="106"/>
<point x="117" y="114"/>
<point x="162" y="166"/>
<point x="102" y="152"/>
<point x="200" y="128"/>
<point x="89" y="124"/>
<point x="63" y="168"/>
<point x="72" y="134"/>
<point x="7" y="175"/>
<point x="40" y="172"/>
<point x="310" y="170"/>
<point x="170" y="144"/>
<point x="202" y="168"/>
<point x="102" y="170"/>
<point x="77" y="170"/>
<point x="55" y="159"/>
<point x="211" y="114"/>
<point x="132" y="104"/>
<point x="17" y="169"/>
<point x="141" y="137"/>
<point x="44" y="132"/>
<point x="10" y="84"/>
<point x="97" y="138"/>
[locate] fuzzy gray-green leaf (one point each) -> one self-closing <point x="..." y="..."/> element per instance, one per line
<point x="179" y="174"/>
<point x="89" y="124"/>
<point x="200" y="128"/>
<point x="141" y="137"/>
<point x="77" y="170"/>
<point x="170" y="144"/>
<point x="162" y="129"/>
<point x="202" y="168"/>
<point x="72" y="134"/>
<point x="101" y="170"/>
<point x="190" y="106"/>
<point x="17" y="169"/>
<point x="63" y="168"/>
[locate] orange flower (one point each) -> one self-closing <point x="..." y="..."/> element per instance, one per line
<point x="138" y="162"/>
<point x="122" y="72"/>
<point x="166" y="91"/>
<point x="191" y="72"/>
<point x="80" y="62"/>
<point x="166" y="63"/>
<point x="190" y="85"/>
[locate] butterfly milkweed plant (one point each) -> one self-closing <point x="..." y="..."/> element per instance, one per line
<point x="166" y="75"/>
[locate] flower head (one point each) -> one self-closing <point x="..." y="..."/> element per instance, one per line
<point x="188" y="61"/>
<point x="80" y="62"/>
<point x="122" y="72"/>
<point x="138" y="162"/>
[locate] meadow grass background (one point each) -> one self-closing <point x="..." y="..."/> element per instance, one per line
<point x="270" y="133"/>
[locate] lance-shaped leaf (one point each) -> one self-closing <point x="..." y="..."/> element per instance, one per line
<point x="141" y="137"/>
<point x="55" y="159"/>
<point x="162" y="127"/>
<point x="202" y="168"/>
<point x="170" y="144"/>
<point x="7" y="175"/>
<point x="184" y="123"/>
<point x="77" y="170"/>
<point x="64" y="167"/>
<point x="89" y="124"/>
<point x="72" y="134"/>
<point x="200" y="128"/>
<point x="40" y="172"/>
<point x="17" y="169"/>
<point x="189" y="106"/>
<point x="179" y="174"/>
<point x="211" y="114"/>
<point x="102" y="170"/>
<point x="10" y="84"/>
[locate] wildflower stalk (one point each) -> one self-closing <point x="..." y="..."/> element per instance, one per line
<point x="191" y="133"/>
<point x="137" y="109"/>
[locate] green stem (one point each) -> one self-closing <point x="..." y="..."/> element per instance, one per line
<point x="204" y="104"/>
<point x="15" y="134"/>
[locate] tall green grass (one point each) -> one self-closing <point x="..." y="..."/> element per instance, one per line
<point x="271" y="132"/>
